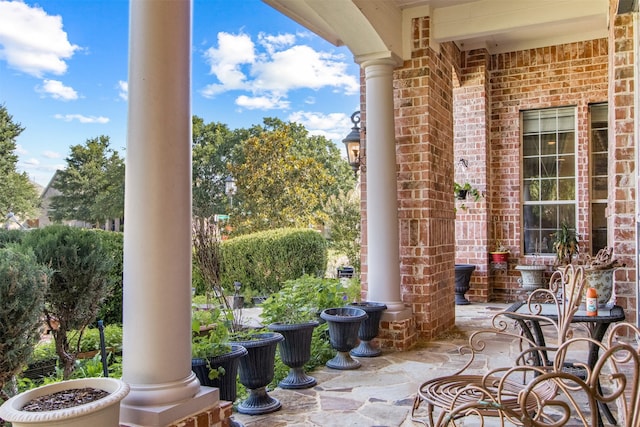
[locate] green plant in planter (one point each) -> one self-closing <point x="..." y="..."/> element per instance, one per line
<point x="23" y="284"/>
<point x="210" y="337"/>
<point x="565" y="244"/>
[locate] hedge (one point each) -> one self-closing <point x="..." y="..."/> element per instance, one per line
<point x="262" y="261"/>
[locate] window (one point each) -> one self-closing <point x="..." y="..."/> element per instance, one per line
<point x="599" y="175"/>
<point x="548" y="176"/>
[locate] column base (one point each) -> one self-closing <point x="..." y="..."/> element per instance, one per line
<point x="397" y="330"/>
<point x="207" y="399"/>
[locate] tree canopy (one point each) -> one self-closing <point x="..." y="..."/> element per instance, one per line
<point x="18" y="195"/>
<point x="92" y="185"/>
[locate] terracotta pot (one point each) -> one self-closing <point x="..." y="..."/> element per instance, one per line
<point x="104" y="412"/>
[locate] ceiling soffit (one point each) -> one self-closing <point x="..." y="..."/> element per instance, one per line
<point x="382" y="28"/>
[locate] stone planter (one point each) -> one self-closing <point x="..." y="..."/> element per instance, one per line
<point x="463" y="278"/>
<point x="256" y="372"/>
<point x="344" y="323"/>
<point x="369" y="328"/>
<point x="295" y="352"/>
<point x="225" y="382"/>
<point x="532" y="277"/>
<point x="104" y="412"/>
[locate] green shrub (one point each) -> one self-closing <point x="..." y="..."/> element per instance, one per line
<point x="10" y="236"/>
<point x="23" y="283"/>
<point x="80" y="282"/>
<point x="262" y="261"/>
<point x="111" y="310"/>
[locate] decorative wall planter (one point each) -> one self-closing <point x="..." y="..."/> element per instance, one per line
<point x="462" y="280"/>
<point x="295" y="352"/>
<point x="532" y="277"/>
<point x="256" y="372"/>
<point x="344" y="323"/>
<point x="369" y="328"/>
<point x="225" y="382"/>
<point x="104" y="412"/>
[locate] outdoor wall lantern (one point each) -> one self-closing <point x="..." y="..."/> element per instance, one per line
<point x="230" y="188"/>
<point x="352" y="144"/>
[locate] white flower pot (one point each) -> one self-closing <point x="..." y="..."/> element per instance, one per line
<point x="104" y="412"/>
<point x="532" y="278"/>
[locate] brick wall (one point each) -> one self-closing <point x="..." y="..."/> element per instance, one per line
<point x="217" y="416"/>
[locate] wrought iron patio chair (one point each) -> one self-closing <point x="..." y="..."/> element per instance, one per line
<point x="444" y="396"/>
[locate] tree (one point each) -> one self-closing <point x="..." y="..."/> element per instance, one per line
<point x="23" y="283"/>
<point x="78" y="286"/>
<point x="276" y="185"/>
<point x="18" y="195"/>
<point x="211" y="149"/>
<point x="92" y="185"/>
<point x="343" y="222"/>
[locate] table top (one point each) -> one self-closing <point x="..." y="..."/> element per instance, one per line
<point x="611" y="314"/>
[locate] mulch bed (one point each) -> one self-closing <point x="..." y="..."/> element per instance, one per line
<point x="64" y="399"/>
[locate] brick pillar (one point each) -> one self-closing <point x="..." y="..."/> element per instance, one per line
<point x="471" y="143"/>
<point x="622" y="164"/>
<point x="424" y="129"/>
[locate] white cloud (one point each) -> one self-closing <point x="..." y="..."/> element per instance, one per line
<point x="32" y="41"/>
<point x="51" y="154"/>
<point x="333" y="126"/>
<point x="81" y="118"/>
<point x="21" y="150"/>
<point x="225" y="62"/>
<point x="32" y="162"/>
<point x="262" y="103"/>
<point x="270" y="74"/>
<point x="57" y="90"/>
<point x="123" y="90"/>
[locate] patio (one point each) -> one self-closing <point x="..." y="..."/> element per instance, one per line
<point x="381" y="392"/>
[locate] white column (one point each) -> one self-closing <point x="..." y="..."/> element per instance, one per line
<point x="383" y="248"/>
<point x="157" y="236"/>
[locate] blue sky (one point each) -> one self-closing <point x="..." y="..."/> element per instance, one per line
<point x="63" y="73"/>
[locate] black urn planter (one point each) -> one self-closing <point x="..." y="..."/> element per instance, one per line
<point x="369" y="328"/>
<point x="295" y="352"/>
<point x="225" y="382"/>
<point x="463" y="277"/>
<point x="344" y="323"/>
<point x="256" y="372"/>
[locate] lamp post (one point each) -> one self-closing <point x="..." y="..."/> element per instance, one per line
<point x="230" y="189"/>
<point x="352" y="144"/>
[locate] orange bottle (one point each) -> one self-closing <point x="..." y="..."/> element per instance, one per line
<point x="592" y="302"/>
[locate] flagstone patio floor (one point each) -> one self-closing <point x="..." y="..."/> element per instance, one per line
<point x="381" y="392"/>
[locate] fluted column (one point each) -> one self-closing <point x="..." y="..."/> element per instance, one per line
<point x="157" y="236"/>
<point x="383" y="260"/>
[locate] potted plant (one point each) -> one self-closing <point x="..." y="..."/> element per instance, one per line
<point x="369" y="328"/>
<point x="565" y="244"/>
<point x="257" y="370"/>
<point x="214" y="361"/>
<point x="462" y="282"/>
<point x="461" y="191"/>
<point x="599" y="275"/>
<point x="292" y="313"/>
<point x="344" y="323"/>
<point x="532" y="274"/>
<point x="83" y="402"/>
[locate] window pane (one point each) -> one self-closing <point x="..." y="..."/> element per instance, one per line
<point x="600" y="188"/>
<point x="599" y="140"/>
<point x="530" y="146"/>
<point x="567" y="189"/>
<point x="598" y="227"/>
<point x="549" y="189"/>
<point x="549" y="217"/>
<point x="549" y="175"/>
<point x="600" y="164"/>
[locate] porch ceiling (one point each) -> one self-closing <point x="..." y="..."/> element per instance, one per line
<point x="378" y="28"/>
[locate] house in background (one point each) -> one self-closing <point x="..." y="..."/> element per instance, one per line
<point x="531" y="102"/>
